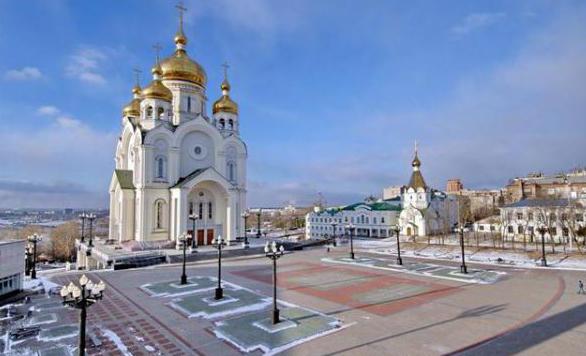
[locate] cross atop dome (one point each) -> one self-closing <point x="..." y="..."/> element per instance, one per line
<point x="180" y="39"/>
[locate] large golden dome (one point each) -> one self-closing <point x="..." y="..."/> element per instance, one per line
<point x="225" y="104"/>
<point x="133" y="108"/>
<point x="180" y="67"/>
<point x="156" y="90"/>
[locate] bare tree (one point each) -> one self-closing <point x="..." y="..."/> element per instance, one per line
<point x="62" y="241"/>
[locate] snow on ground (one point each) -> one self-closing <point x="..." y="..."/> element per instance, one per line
<point x="117" y="341"/>
<point x="38" y="284"/>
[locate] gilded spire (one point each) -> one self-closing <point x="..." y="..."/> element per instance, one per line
<point x="225" y="84"/>
<point x="136" y="90"/>
<point x="225" y="104"/>
<point x="416" y="162"/>
<point x="180" y="39"/>
<point x="157" y="68"/>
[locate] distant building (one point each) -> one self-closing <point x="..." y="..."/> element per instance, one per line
<point x="425" y="211"/>
<point x="539" y="186"/>
<point x="478" y="203"/>
<point x="11" y="266"/>
<point x="371" y="219"/>
<point x="454" y="186"/>
<point x="391" y="192"/>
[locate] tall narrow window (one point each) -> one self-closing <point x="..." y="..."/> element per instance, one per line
<point x="210" y="214"/>
<point x="160" y="168"/>
<point x="188" y="104"/>
<point x="231" y="168"/>
<point x="190" y="207"/>
<point x="200" y="212"/>
<point x="159" y="211"/>
<point x="222" y="124"/>
<point x="230" y="124"/>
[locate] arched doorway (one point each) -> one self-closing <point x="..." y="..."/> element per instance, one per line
<point x="207" y="202"/>
<point x="409" y="231"/>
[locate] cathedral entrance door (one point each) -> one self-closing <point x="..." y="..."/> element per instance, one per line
<point x="210" y="236"/>
<point x="200" y="235"/>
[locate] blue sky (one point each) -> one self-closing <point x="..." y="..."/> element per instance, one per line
<point x="332" y="93"/>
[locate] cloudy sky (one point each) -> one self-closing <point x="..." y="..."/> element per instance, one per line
<point x="332" y="93"/>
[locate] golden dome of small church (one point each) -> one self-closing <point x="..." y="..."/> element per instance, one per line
<point x="180" y="172"/>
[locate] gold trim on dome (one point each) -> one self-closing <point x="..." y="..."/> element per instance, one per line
<point x="180" y="67"/>
<point x="132" y="108"/>
<point x="157" y="90"/>
<point x="225" y="104"/>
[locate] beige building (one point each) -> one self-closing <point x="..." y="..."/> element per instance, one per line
<point x="477" y="203"/>
<point x="539" y="186"/>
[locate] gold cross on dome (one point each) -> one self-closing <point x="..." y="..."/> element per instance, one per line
<point x="226" y="66"/>
<point x="157" y="46"/>
<point x="181" y="10"/>
<point x="137" y="75"/>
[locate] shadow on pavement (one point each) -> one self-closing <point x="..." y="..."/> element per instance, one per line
<point x="470" y="313"/>
<point x="531" y="334"/>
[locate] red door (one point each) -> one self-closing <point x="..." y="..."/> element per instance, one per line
<point x="210" y="236"/>
<point x="199" y="237"/>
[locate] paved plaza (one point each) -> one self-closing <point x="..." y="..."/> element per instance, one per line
<point x="329" y="306"/>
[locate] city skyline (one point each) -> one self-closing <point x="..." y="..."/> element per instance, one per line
<point x="489" y="90"/>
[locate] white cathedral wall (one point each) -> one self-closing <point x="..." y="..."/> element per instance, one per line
<point x="190" y="160"/>
<point x="150" y="197"/>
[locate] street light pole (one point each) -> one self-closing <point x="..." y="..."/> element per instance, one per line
<point x="34" y="239"/>
<point x="91" y="218"/>
<point x="463" y="268"/>
<point x="219" y="243"/>
<point x="334" y="233"/>
<point x="82" y="217"/>
<point x="193" y="217"/>
<point x="350" y="228"/>
<point x="82" y="298"/>
<point x="27" y="261"/>
<point x="397" y="230"/>
<point x="258" y="215"/>
<point x="184" y="275"/>
<point x="542" y="230"/>
<point x="274" y="253"/>
<point x="245" y="216"/>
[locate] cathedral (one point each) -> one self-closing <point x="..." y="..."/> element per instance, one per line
<point x="425" y="211"/>
<point x="178" y="167"/>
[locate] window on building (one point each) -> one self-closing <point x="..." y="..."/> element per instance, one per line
<point x="188" y="104"/>
<point x="200" y="211"/>
<point x="159" y="214"/>
<point x="519" y="229"/>
<point x="530" y="216"/>
<point x="481" y="227"/>
<point x="374" y="220"/>
<point x="510" y="229"/>
<point x="210" y="210"/>
<point x="565" y="232"/>
<point x="519" y="216"/>
<point x="230" y="124"/>
<point x="530" y="229"/>
<point x="160" y="164"/>
<point x="552" y="217"/>
<point x="231" y="171"/>
<point x="382" y="220"/>
<point x="553" y="231"/>
<point x="579" y="217"/>
<point x="564" y="217"/>
<point x="190" y="207"/>
<point x="222" y="124"/>
<point x="492" y="228"/>
<point x="160" y="113"/>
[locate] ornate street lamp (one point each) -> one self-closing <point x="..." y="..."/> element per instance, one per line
<point x="350" y="227"/>
<point x="334" y="233"/>
<point x="91" y="218"/>
<point x="463" y="268"/>
<point x="183" y="240"/>
<point x="245" y="216"/>
<point x="193" y="217"/>
<point x="34" y="239"/>
<point x="542" y="230"/>
<point x="397" y="230"/>
<point x="258" y="215"/>
<point x="82" y="217"/>
<point x="274" y="253"/>
<point x="82" y="298"/>
<point x="219" y="243"/>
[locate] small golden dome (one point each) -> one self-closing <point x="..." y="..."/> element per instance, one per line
<point x="157" y="90"/>
<point x="416" y="162"/>
<point x="225" y="104"/>
<point x="136" y="90"/>
<point x="180" y="67"/>
<point x="132" y="109"/>
<point x="225" y="85"/>
<point x="180" y="38"/>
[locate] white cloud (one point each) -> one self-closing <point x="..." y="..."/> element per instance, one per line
<point x="26" y="73"/>
<point x="85" y="65"/>
<point x="48" y="110"/>
<point x="68" y="122"/>
<point x="476" y="21"/>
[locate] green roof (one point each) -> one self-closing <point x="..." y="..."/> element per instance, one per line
<point x="124" y="178"/>
<point x="378" y="206"/>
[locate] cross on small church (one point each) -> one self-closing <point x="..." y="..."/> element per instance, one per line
<point x="157" y="46"/>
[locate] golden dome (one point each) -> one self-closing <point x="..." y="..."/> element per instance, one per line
<point x="225" y="104"/>
<point x="157" y="90"/>
<point x="132" y="109"/>
<point x="180" y="67"/>
<point x="416" y="162"/>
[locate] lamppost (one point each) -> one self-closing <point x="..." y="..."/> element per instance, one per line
<point x="27" y="261"/>
<point x="82" y="217"/>
<point x="34" y="239"/>
<point x="258" y="215"/>
<point x="219" y="243"/>
<point x="397" y="230"/>
<point x="82" y="298"/>
<point x="350" y="227"/>
<point x="193" y="217"/>
<point x="334" y="233"/>
<point x="463" y="268"/>
<point x="91" y="218"/>
<point x="183" y="239"/>
<point x="274" y="253"/>
<point x="245" y="216"/>
<point x="542" y="230"/>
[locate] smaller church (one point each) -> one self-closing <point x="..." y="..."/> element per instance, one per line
<point x="425" y="211"/>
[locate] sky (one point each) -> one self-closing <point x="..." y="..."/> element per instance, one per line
<point x="332" y="93"/>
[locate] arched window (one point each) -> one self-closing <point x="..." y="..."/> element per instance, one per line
<point x="160" y="113"/>
<point x="160" y="167"/>
<point x="188" y="104"/>
<point x="231" y="171"/>
<point x="231" y="124"/>
<point x="200" y="211"/>
<point x="210" y="210"/>
<point x="222" y="124"/>
<point x="149" y="111"/>
<point x="159" y="214"/>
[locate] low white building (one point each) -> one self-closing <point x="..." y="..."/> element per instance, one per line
<point x="11" y="266"/>
<point x="371" y="219"/>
